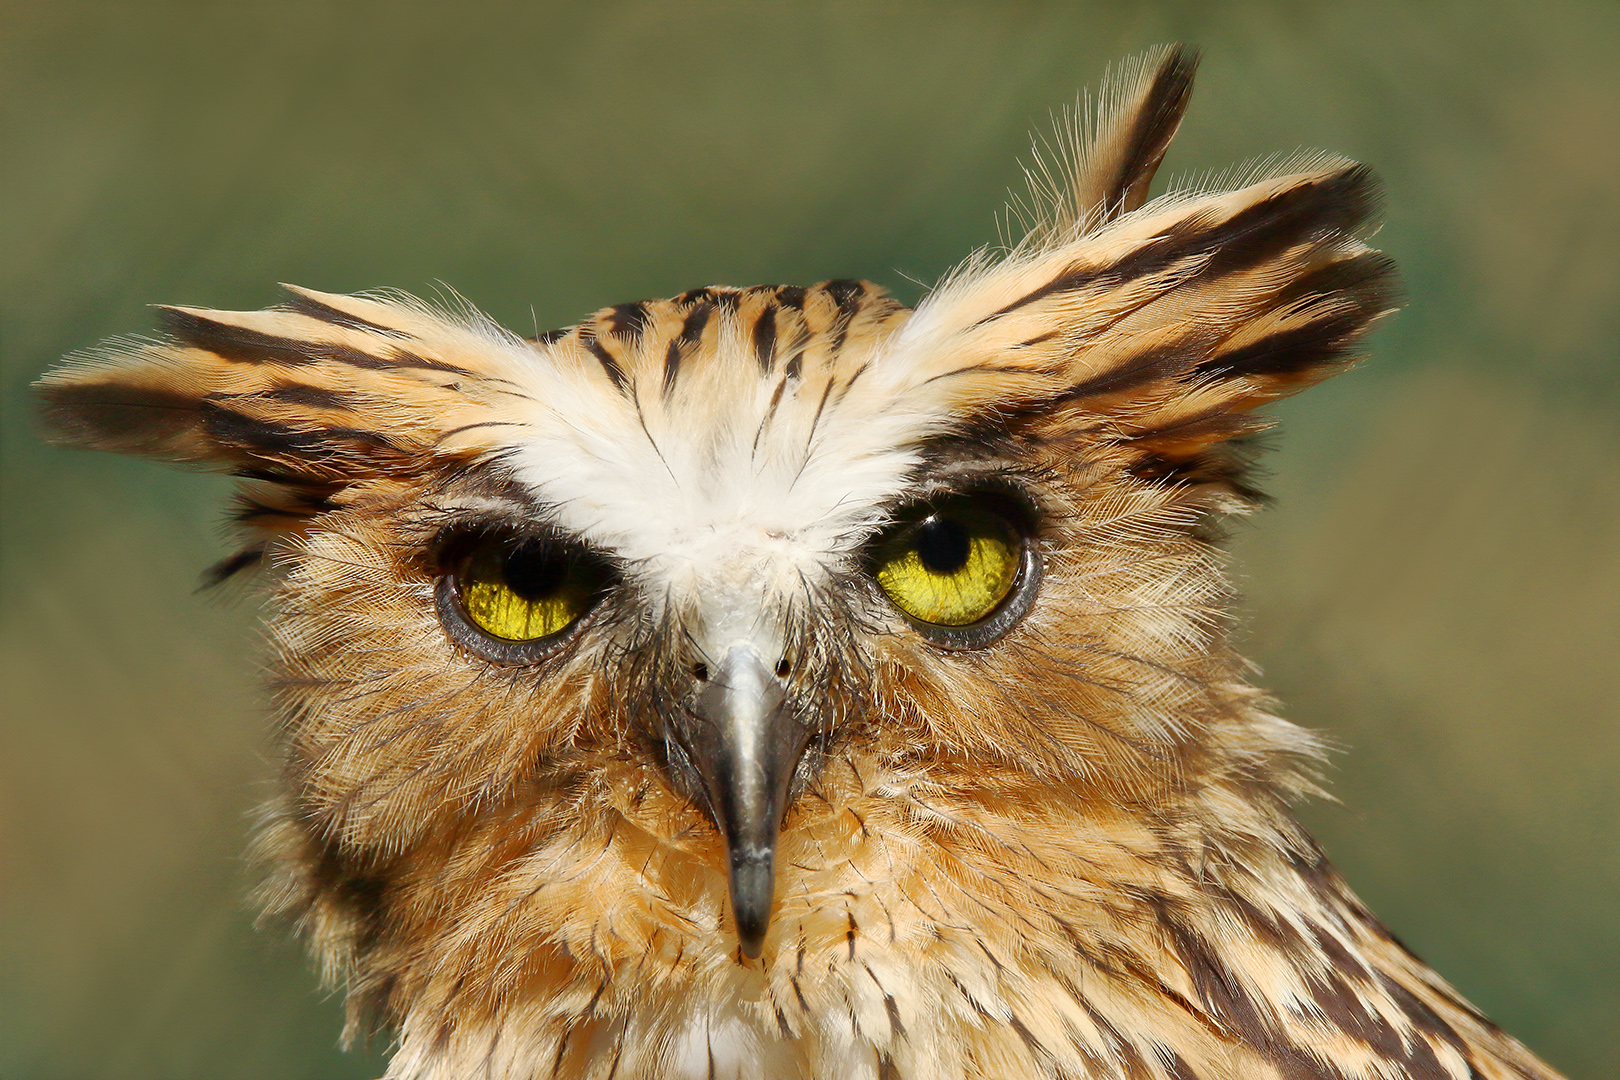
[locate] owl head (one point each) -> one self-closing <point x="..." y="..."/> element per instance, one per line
<point x="668" y="592"/>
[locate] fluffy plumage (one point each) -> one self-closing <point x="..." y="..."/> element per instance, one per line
<point x="1063" y="851"/>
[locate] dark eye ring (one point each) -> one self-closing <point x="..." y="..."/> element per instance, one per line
<point x="513" y="599"/>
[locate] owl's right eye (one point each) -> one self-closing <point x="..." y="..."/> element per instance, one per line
<point x="514" y="600"/>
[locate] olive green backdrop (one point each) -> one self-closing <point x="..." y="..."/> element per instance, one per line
<point x="1437" y="587"/>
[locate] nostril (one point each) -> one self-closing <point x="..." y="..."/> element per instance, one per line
<point x="783" y="668"/>
<point x="700" y="671"/>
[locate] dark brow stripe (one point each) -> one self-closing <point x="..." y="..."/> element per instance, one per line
<point x="815" y="421"/>
<point x="228" y="568"/>
<point x="1155" y="124"/>
<point x="475" y="426"/>
<point x="126" y="417"/>
<point x="672" y="365"/>
<point x="691" y="333"/>
<point x="628" y="320"/>
<point x="849" y="383"/>
<point x="847" y="295"/>
<point x="398" y="358"/>
<point x="1331" y="204"/>
<point x="234" y="343"/>
<point x="610" y="366"/>
<point x="315" y="309"/>
<point x="242" y="345"/>
<point x="231" y="428"/>
<point x="791" y="296"/>
<point x="985" y="438"/>
<point x="1291" y="351"/>
<point x="311" y="503"/>
<point x="696" y="320"/>
<point x="969" y="369"/>
<point x="1196" y="470"/>
<point x="770" y="409"/>
<point x="299" y="394"/>
<point x="1147" y="366"/>
<point x="764" y="336"/>
<point x="1219" y="422"/>
<point x="551" y="336"/>
<point x="1150" y="258"/>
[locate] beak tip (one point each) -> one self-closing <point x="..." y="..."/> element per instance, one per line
<point x="753" y="887"/>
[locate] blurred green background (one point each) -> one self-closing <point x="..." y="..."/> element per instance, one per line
<point x="1438" y="586"/>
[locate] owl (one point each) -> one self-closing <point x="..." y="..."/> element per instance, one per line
<point x="783" y="682"/>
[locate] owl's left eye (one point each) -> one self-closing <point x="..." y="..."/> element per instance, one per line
<point x="963" y="568"/>
<point x="514" y="600"/>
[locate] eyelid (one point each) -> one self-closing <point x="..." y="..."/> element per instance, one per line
<point x="1022" y="508"/>
<point x="452" y="538"/>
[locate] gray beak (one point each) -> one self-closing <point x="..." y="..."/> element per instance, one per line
<point x="746" y="744"/>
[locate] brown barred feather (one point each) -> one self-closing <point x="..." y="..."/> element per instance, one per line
<point x="1055" y="844"/>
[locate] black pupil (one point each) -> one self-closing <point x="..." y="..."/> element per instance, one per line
<point x="943" y="544"/>
<point x="533" y="572"/>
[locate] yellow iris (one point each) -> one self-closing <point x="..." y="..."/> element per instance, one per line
<point x="952" y="567"/>
<point x="523" y="592"/>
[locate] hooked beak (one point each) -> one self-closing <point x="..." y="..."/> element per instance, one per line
<point x="746" y="744"/>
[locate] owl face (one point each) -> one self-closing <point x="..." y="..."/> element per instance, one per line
<point x="710" y="628"/>
<point x="789" y="551"/>
<point x="724" y="536"/>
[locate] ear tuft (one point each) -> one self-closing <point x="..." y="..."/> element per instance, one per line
<point x="1105" y="158"/>
<point x="327" y="388"/>
<point x="300" y="401"/>
<point x="1161" y="330"/>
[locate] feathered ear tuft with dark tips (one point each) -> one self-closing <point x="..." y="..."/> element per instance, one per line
<point x="325" y="388"/>
<point x="1106" y="157"/>
<point x="1156" y="327"/>
<point x="299" y="401"/>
